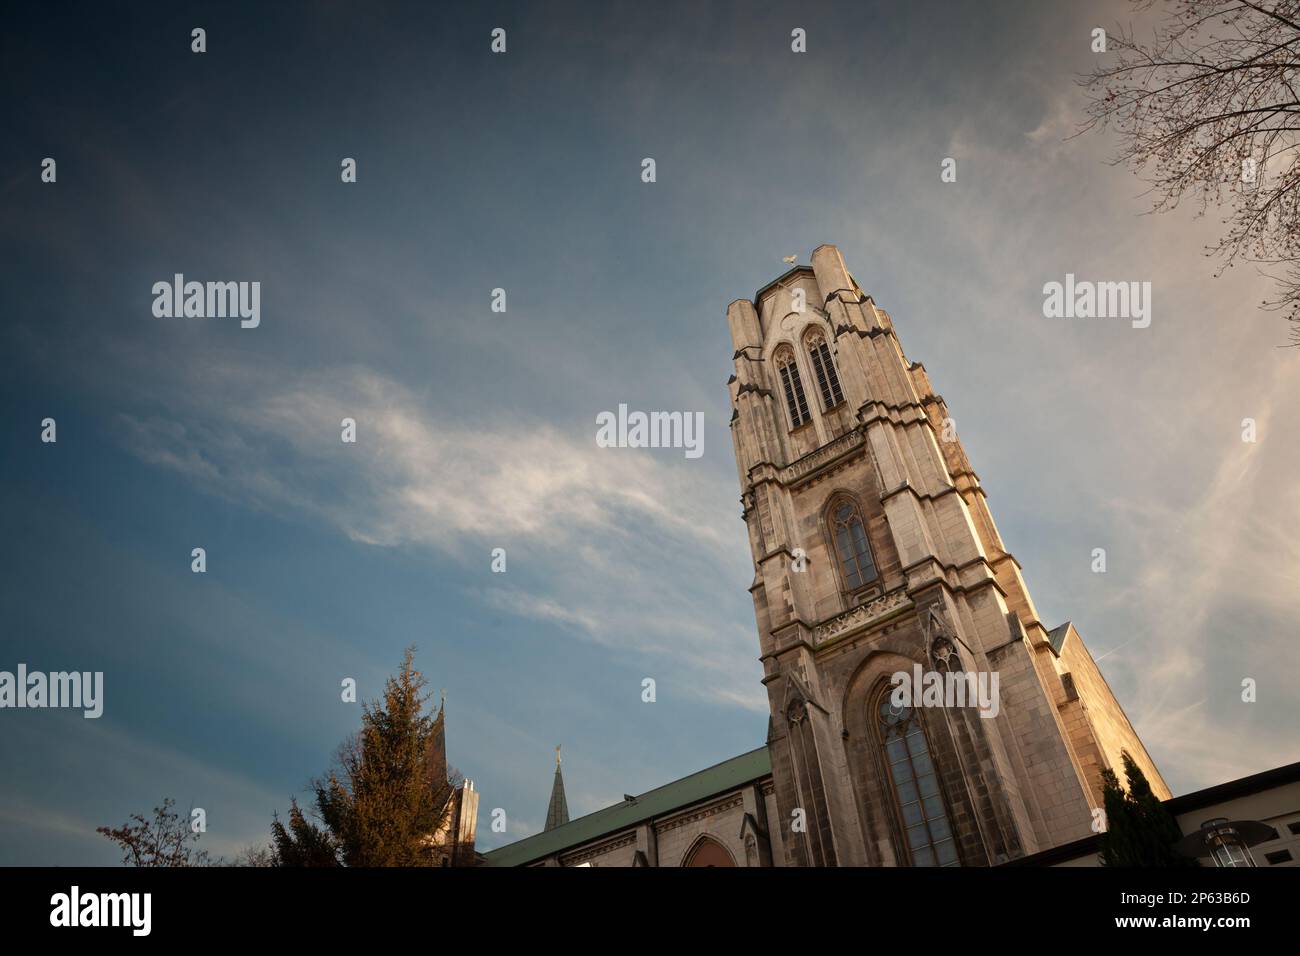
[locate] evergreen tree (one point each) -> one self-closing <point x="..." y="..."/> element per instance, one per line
<point x="1139" y="830"/>
<point x="1116" y="839"/>
<point x="386" y="795"/>
<point x="302" y="843"/>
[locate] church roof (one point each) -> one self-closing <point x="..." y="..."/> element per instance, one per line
<point x="797" y="270"/>
<point x="654" y="803"/>
<point x="1056" y="637"/>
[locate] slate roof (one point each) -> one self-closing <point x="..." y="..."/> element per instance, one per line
<point x="1056" y="636"/>
<point x="699" y="786"/>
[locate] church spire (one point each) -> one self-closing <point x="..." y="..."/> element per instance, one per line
<point x="557" y="814"/>
<point x="436" y="749"/>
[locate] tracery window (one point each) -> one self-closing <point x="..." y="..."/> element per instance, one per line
<point x="791" y="384"/>
<point x="851" y="547"/>
<point x="915" y="784"/>
<point x="828" y="381"/>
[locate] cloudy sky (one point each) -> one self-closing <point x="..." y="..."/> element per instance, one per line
<point x="476" y="429"/>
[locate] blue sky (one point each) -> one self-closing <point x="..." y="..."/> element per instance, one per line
<point x="476" y="430"/>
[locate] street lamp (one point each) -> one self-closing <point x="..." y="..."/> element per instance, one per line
<point x="1227" y="841"/>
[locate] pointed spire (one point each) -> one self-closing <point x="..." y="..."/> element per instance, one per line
<point x="557" y="814"/>
<point x="436" y="750"/>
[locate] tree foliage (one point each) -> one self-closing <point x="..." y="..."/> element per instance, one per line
<point x="381" y="804"/>
<point x="386" y="795"/>
<point x="1209" y="110"/>
<point x="1139" y="830"/>
<point x="302" y="843"/>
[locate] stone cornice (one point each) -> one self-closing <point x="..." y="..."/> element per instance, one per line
<point x="822" y="457"/>
<point x="908" y="488"/>
<point x="861" y="617"/>
<point x="729" y="802"/>
<point x="598" y="849"/>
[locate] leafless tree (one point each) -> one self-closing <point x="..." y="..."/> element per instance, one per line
<point x="1208" y="110"/>
<point x="256" y="855"/>
<point x="165" y="840"/>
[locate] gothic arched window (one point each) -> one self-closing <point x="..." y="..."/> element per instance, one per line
<point x="792" y="386"/>
<point x="851" y="547"/>
<point x="915" y="782"/>
<point x="708" y="852"/>
<point x="827" y="379"/>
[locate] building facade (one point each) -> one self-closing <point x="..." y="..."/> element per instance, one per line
<point x="874" y="550"/>
<point x="1270" y="799"/>
<point x="875" y="553"/>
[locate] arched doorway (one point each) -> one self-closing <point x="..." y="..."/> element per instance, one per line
<point x="708" y="852"/>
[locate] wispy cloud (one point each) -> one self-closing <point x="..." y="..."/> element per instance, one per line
<point x="621" y="546"/>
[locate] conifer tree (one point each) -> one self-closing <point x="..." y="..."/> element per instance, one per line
<point x="302" y="843"/>
<point x="1139" y="830"/>
<point x="386" y="795"/>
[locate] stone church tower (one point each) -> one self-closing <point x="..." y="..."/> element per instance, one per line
<point x="874" y="550"/>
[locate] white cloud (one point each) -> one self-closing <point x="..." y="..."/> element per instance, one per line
<point x="628" y="546"/>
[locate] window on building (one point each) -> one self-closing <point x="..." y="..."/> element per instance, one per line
<point x="827" y="379"/>
<point x="792" y="385"/>
<point x="708" y="852"/>
<point x="850" y="537"/>
<point x="915" y="784"/>
<point x="1278" y="856"/>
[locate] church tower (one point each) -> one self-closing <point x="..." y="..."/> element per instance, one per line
<point x="874" y="553"/>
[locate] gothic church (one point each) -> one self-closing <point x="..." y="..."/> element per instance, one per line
<point x="874" y="551"/>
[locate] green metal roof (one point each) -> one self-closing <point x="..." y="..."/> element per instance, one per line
<point x="655" y="803"/>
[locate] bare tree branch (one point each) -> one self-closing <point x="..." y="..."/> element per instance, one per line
<point x="1208" y="110"/>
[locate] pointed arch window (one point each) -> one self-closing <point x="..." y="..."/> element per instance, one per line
<point x="828" y="381"/>
<point x="851" y="547"/>
<point x="791" y="384"/>
<point x="915" y="784"/>
<point x="708" y="852"/>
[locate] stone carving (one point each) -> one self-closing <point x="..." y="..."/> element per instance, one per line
<point x="860" y="616"/>
<point x="821" y="456"/>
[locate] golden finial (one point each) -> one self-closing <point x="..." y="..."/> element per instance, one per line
<point x="557" y="755"/>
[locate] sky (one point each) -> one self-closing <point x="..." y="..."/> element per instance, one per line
<point x="476" y="429"/>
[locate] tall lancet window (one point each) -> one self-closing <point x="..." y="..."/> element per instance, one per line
<point x="915" y="783"/>
<point x="827" y="380"/>
<point x="792" y="386"/>
<point x="850" y="537"/>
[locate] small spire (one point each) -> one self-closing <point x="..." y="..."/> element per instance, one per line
<point x="557" y="812"/>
